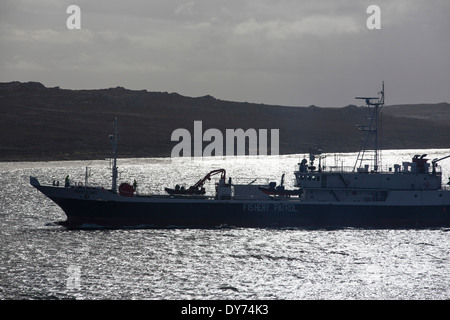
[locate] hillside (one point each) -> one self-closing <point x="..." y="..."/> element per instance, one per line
<point x="40" y="123"/>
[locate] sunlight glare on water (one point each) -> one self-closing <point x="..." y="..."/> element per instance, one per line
<point x="41" y="260"/>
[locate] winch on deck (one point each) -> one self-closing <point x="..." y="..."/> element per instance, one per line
<point x="274" y="190"/>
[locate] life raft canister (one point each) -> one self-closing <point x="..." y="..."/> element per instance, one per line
<point x="126" y="190"/>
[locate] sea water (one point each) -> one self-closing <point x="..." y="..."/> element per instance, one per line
<point x="40" y="259"/>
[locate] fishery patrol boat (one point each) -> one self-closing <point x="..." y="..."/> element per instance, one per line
<point x="408" y="195"/>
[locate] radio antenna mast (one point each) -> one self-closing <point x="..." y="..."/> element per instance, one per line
<point x="113" y="139"/>
<point x="371" y="130"/>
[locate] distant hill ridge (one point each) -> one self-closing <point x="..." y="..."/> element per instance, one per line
<point x="41" y="123"/>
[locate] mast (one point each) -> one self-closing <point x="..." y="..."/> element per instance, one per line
<point x="113" y="139"/>
<point x="371" y="130"/>
<point x="87" y="174"/>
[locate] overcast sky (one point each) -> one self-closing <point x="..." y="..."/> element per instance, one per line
<point x="286" y="52"/>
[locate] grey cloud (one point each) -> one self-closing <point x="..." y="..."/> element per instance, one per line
<point x="280" y="52"/>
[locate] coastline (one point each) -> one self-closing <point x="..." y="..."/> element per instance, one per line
<point x="98" y="157"/>
<point x="52" y="124"/>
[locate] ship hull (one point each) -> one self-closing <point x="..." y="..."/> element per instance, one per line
<point x="94" y="208"/>
<point x="258" y="214"/>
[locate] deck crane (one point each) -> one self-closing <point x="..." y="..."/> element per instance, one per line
<point x="197" y="188"/>
<point x="434" y="161"/>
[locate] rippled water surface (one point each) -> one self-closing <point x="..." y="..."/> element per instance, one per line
<point x="42" y="260"/>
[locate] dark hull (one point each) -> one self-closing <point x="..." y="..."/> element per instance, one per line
<point x="213" y="213"/>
